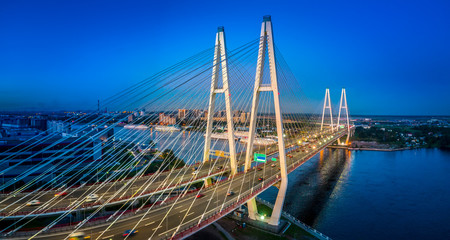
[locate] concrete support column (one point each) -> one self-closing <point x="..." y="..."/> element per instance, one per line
<point x="252" y="209"/>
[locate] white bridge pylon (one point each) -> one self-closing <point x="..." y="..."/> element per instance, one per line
<point x="266" y="44"/>
<point x="327" y="104"/>
<point x="220" y="63"/>
<point x="343" y="104"/>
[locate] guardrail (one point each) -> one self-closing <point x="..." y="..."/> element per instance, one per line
<point x="214" y="216"/>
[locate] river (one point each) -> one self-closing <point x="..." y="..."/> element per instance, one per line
<point x="372" y="195"/>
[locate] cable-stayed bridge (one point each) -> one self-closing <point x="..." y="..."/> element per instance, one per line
<point x="207" y="135"/>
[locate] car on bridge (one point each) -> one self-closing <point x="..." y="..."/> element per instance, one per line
<point x="78" y="236"/>
<point x="230" y="193"/>
<point x="61" y="194"/>
<point x="129" y="232"/>
<point x="200" y="195"/>
<point x="91" y="197"/>
<point x="34" y="203"/>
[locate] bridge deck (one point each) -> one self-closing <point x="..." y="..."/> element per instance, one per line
<point x="188" y="214"/>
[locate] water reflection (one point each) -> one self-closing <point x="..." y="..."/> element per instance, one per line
<point x="311" y="185"/>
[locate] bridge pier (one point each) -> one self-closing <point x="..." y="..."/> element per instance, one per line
<point x="278" y="207"/>
<point x="252" y="209"/>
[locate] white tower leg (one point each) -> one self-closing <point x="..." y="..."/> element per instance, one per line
<point x="220" y="60"/>
<point x="327" y="104"/>
<point x="267" y="41"/>
<point x="343" y="104"/>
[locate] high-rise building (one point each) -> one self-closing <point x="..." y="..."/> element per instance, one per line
<point x="167" y="119"/>
<point x="55" y="126"/>
<point x="182" y="113"/>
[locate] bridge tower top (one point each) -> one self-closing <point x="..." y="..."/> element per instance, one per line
<point x="220" y="63"/>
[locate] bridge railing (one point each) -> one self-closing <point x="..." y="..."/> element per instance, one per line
<point x="213" y="216"/>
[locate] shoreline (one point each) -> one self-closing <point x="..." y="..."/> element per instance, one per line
<point x="381" y="149"/>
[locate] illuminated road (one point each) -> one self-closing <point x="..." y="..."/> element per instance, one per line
<point x="189" y="211"/>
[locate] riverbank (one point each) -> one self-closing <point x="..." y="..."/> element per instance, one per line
<point x="380" y="149"/>
<point x="375" y="146"/>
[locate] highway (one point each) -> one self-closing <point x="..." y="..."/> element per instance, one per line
<point x="118" y="191"/>
<point x="188" y="211"/>
<point x="15" y="207"/>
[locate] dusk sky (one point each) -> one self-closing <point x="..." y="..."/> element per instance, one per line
<point x="393" y="57"/>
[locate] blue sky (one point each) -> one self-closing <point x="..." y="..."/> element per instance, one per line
<point x="393" y="57"/>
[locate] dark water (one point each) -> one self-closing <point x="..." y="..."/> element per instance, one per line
<point x="373" y="195"/>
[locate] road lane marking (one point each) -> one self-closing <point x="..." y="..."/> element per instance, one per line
<point x="190" y="214"/>
<point x="108" y="237"/>
<point x="149" y="223"/>
<point x="154" y="229"/>
<point x="167" y="231"/>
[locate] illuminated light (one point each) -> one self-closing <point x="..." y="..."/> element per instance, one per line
<point x="262" y="217"/>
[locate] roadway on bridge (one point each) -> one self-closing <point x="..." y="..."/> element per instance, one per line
<point x="162" y="181"/>
<point x="191" y="208"/>
<point x="15" y="207"/>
